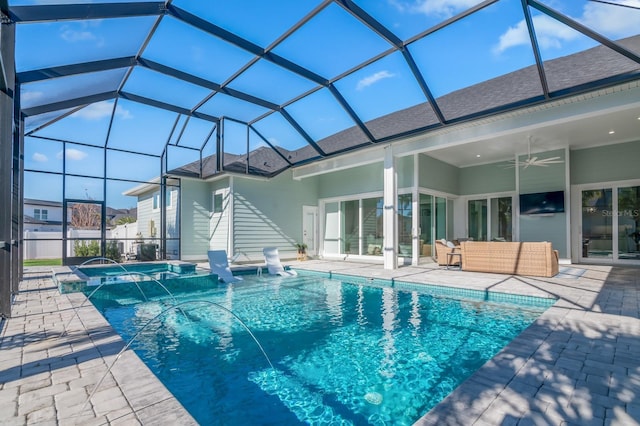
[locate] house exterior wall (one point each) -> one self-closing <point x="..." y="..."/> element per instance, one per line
<point x="552" y="228"/>
<point x="487" y="178"/>
<point x="219" y="222"/>
<point x="146" y="214"/>
<point x="404" y="170"/>
<point x="437" y="175"/>
<point x="195" y="211"/>
<point x="259" y="213"/>
<point x="354" y="181"/>
<point x="269" y="213"/>
<point x="609" y="163"/>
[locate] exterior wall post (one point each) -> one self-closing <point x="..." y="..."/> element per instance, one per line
<point x="389" y="214"/>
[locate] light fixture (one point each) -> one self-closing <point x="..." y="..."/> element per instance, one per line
<point x="611" y="132"/>
<point x="477" y="155"/>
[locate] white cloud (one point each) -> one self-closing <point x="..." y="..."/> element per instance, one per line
<point x="74" y="35"/>
<point x="82" y="32"/>
<point x="441" y="8"/>
<point x="372" y="79"/>
<point x="100" y="110"/>
<point x="612" y="21"/>
<point x="515" y="36"/>
<point x="549" y="32"/>
<point x="444" y="8"/>
<point x="40" y="158"/>
<point x="73" y="154"/>
<point x="27" y="96"/>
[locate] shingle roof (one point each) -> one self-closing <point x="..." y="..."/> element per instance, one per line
<point x="597" y="63"/>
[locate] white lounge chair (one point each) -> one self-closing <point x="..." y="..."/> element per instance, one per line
<point x="273" y="263"/>
<point x="219" y="264"/>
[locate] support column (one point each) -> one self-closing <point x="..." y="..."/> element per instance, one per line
<point x="8" y="239"/>
<point x="389" y="213"/>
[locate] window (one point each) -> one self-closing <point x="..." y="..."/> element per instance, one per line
<point x="217" y="206"/>
<point x="40" y="214"/>
<point x="156" y="200"/>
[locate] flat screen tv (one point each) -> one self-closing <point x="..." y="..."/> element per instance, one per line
<point x="542" y="203"/>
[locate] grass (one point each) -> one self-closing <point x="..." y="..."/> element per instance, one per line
<point x="42" y="262"/>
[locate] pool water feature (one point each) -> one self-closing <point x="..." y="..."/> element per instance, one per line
<point x="343" y="352"/>
<point x="79" y="278"/>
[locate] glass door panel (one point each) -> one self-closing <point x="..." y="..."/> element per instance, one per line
<point x="441" y="218"/>
<point x="426" y="225"/>
<point x="477" y="218"/>
<point x="501" y="219"/>
<point x="597" y="223"/>
<point x="350" y="226"/>
<point x="629" y="222"/>
<point x="331" y="240"/>
<point x="372" y="226"/>
<point x="405" y="225"/>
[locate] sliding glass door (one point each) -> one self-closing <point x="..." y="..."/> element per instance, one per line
<point x="628" y="216"/>
<point x="432" y="222"/>
<point x="597" y="224"/>
<point x="611" y="224"/>
<point x="490" y="219"/>
<point x="405" y="225"/>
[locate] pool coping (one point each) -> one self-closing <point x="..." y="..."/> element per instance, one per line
<point x="577" y="363"/>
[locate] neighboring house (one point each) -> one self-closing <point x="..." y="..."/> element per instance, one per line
<point x="43" y="228"/>
<point x="41" y="215"/>
<point x="114" y="215"/>
<point x="148" y="216"/>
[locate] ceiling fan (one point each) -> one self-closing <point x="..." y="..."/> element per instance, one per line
<point x="534" y="161"/>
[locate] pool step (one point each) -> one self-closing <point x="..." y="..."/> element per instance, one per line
<point x="304" y="403"/>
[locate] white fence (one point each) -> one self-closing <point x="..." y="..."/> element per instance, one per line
<point x="48" y="245"/>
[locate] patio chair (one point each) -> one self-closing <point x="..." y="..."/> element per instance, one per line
<point x="444" y="251"/>
<point x="219" y="264"/>
<point x="273" y="263"/>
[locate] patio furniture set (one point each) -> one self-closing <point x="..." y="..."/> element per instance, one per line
<point x="502" y="257"/>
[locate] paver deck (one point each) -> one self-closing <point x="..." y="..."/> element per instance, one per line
<point x="578" y="364"/>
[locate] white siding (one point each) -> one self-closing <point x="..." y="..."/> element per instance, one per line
<point x="195" y="207"/>
<point x="269" y="213"/>
<point x="219" y="222"/>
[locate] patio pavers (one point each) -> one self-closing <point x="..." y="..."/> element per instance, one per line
<point x="47" y="374"/>
<point x="577" y="364"/>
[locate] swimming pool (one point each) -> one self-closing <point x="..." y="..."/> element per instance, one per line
<point x="359" y="352"/>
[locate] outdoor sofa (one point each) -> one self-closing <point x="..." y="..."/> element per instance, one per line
<point x="514" y="258"/>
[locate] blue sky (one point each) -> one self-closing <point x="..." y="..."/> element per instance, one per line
<point x="485" y="45"/>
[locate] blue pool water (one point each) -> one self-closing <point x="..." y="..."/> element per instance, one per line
<point x="343" y="353"/>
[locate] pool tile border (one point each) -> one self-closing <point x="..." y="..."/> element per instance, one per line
<point x="441" y="290"/>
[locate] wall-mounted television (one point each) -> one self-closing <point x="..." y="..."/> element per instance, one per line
<point x="542" y="202"/>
